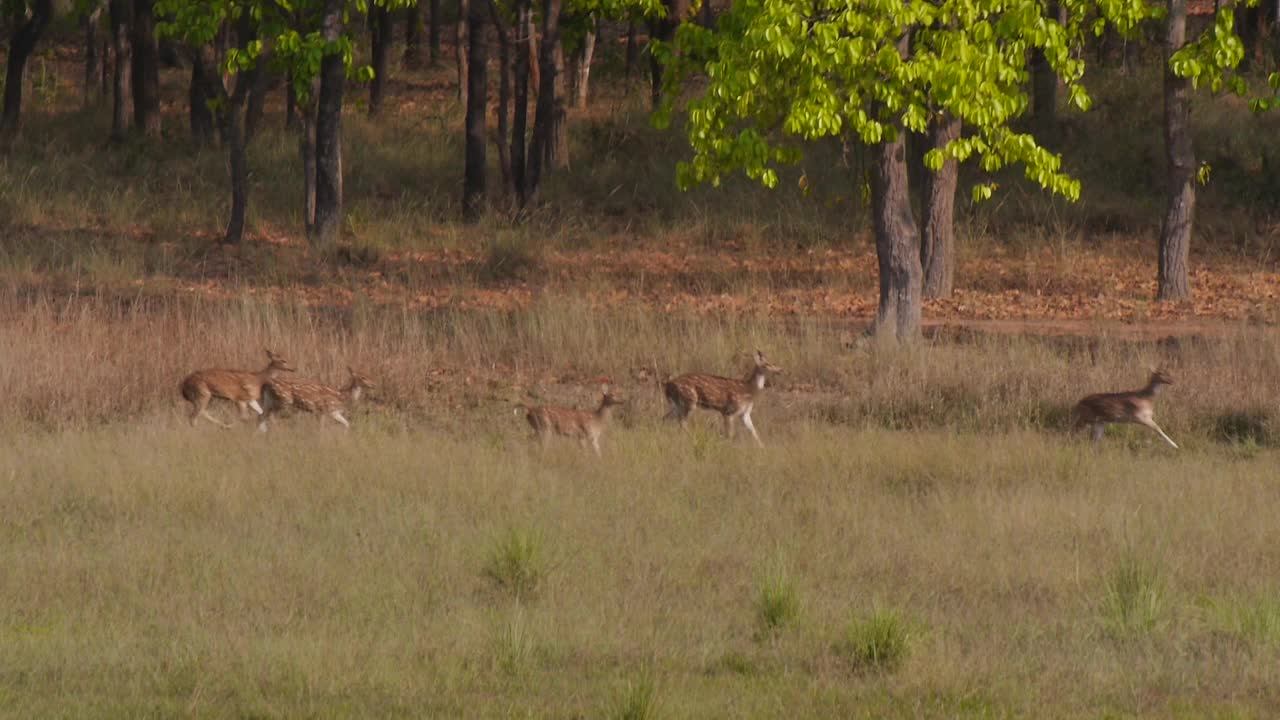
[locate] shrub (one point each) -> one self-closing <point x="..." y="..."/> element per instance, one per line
<point x="517" y="563"/>
<point x="878" y="642"/>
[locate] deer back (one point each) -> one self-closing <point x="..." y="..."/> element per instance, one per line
<point x="709" y="391"/>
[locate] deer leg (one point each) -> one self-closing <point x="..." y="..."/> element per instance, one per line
<point x="746" y="420"/>
<point x="595" y="444"/>
<point x="1152" y="424"/>
<point x="337" y="415"/>
<point x="728" y="426"/>
<point x="262" y="424"/>
<point x="256" y="407"/>
<point x="198" y="407"/>
<point x="1098" y="429"/>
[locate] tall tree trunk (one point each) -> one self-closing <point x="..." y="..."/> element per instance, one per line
<point x="897" y="242"/>
<point x="106" y="65"/>
<point x="21" y="45"/>
<point x="146" y="68"/>
<point x="261" y="81"/>
<point x="520" y="121"/>
<point x="1175" y="231"/>
<point x="582" y="67"/>
<point x="473" y="184"/>
<point x="121" y="53"/>
<point x="290" y="104"/>
<point x="502" y="138"/>
<point x="413" y="35"/>
<point x="89" y="24"/>
<point x="380" y="43"/>
<point x="938" y="233"/>
<point x="307" y="145"/>
<point x="633" y="49"/>
<point x="433" y="33"/>
<point x="201" y="94"/>
<point x="233" y="130"/>
<point x="460" y="51"/>
<point x="664" y="30"/>
<point x="707" y="15"/>
<point x="1044" y="86"/>
<point x="333" y="73"/>
<point x="540" y="150"/>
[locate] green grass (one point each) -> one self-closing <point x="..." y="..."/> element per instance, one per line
<point x="155" y="569"/>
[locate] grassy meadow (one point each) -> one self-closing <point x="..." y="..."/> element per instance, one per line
<point x="921" y="537"/>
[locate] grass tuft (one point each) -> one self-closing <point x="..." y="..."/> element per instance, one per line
<point x="637" y="699"/>
<point x="517" y="563"/>
<point x="1133" y="597"/>
<point x="878" y="642"/>
<point x="508" y="257"/>
<point x="777" y="598"/>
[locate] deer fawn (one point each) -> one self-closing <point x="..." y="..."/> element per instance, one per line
<point x="314" y="398"/>
<point x="731" y="398"/>
<point x="1135" y="406"/>
<point x="242" y="387"/>
<point x="586" y="426"/>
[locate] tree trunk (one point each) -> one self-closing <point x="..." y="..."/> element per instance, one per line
<point x="21" y="45"/>
<point x="664" y="30"/>
<point x="897" y="242"/>
<point x="460" y="51"/>
<point x="520" y="121"/>
<point x="145" y="69"/>
<point x="473" y="184"/>
<point x="502" y="138"/>
<point x="413" y="36"/>
<point x="633" y="48"/>
<point x="89" y="23"/>
<point x="582" y="68"/>
<point x="307" y="144"/>
<point x="290" y="103"/>
<point x="262" y="80"/>
<point x="239" y="164"/>
<point x="333" y="73"/>
<point x="707" y="15"/>
<point x="120" y="54"/>
<point x="1175" y="231"/>
<point x="433" y="33"/>
<point x="541" y="150"/>
<point x="106" y="65"/>
<point x="938" y="234"/>
<point x="201" y="93"/>
<point x="1044" y="86"/>
<point x="380" y="43"/>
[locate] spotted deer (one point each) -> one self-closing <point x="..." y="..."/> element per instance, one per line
<point x="1137" y="406"/>
<point x="315" y="398"/>
<point x="586" y="426"/>
<point x="727" y="396"/>
<point x="242" y="387"/>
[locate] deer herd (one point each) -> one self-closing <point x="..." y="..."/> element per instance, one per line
<point x="269" y="396"/>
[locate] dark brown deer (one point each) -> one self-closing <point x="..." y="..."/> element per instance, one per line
<point x="1137" y="406"/>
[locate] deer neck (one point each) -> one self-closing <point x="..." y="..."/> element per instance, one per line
<point x="269" y="373"/>
<point x="754" y="381"/>
<point x="1151" y="390"/>
<point x="604" y="412"/>
<point x="353" y="391"/>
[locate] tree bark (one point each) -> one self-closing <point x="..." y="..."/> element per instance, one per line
<point x="937" y="247"/>
<point x="520" y="120"/>
<point x="1044" y="87"/>
<point x="433" y="33"/>
<point x="707" y="15"/>
<point x="473" y="184"/>
<point x="120" y="54"/>
<point x="502" y="138"/>
<point x="262" y="80"/>
<point x="145" y="69"/>
<point x="105" y="65"/>
<point x="200" y="94"/>
<point x="21" y="45"/>
<point x="233" y="125"/>
<point x="290" y="103"/>
<point x="380" y="44"/>
<point x="307" y="145"/>
<point x="542" y="150"/>
<point x="1175" y="230"/>
<point x="89" y="23"/>
<point x="333" y="73"/>
<point x="664" y="30"/>
<point x="460" y="51"/>
<point x="632" y="54"/>
<point x="582" y="68"/>
<point x="897" y="242"/>
<point x="413" y="36"/>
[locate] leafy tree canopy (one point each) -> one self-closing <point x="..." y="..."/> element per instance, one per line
<point x="781" y="72"/>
